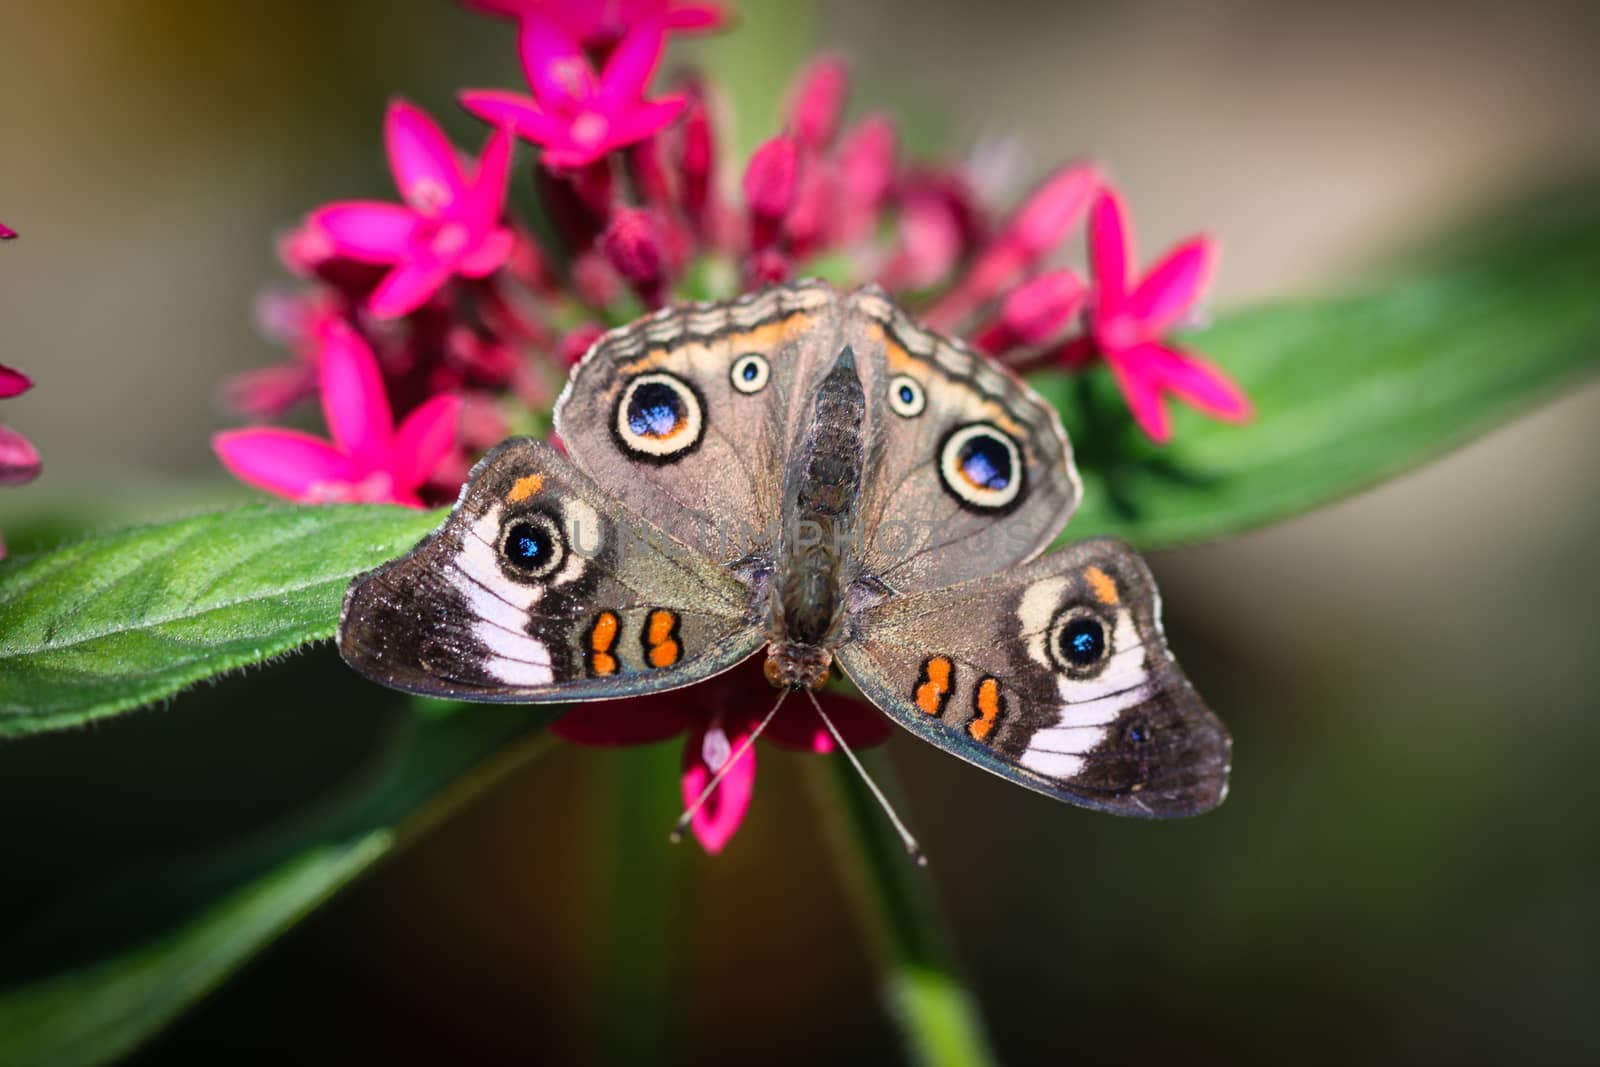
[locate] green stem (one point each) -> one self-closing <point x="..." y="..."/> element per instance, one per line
<point x="923" y="993"/>
<point x="637" y="946"/>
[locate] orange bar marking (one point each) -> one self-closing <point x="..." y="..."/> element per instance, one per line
<point x="602" y="636"/>
<point x="1102" y="585"/>
<point x="989" y="706"/>
<point x="525" y="487"/>
<point x="660" y="638"/>
<point x="933" y="688"/>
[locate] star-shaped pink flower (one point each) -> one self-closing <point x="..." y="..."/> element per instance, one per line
<point x="448" y="225"/>
<point x="718" y="715"/>
<point x="1127" y="323"/>
<point x="576" y="115"/>
<point x="369" y="460"/>
<point x="602" y="23"/>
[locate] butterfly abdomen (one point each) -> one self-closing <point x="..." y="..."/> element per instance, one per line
<point x="822" y="493"/>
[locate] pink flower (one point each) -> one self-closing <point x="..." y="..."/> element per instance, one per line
<point x="1040" y="224"/>
<point x="19" y="460"/>
<point x="448" y="225"/>
<point x="718" y="715"/>
<point x="369" y="459"/>
<point x="577" y="116"/>
<point x="1126" y="324"/>
<point x="601" y="24"/>
<point x="6" y="232"/>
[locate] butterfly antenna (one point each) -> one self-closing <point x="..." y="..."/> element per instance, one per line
<point x="913" y="849"/>
<point x="716" y="779"/>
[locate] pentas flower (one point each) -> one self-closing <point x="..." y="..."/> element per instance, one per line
<point x="576" y="115"/>
<point x="19" y="460"/>
<point x="600" y="24"/>
<point x="1127" y="323"/>
<point x="449" y="224"/>
<point x="6" y="232"/>
<point x="719" y="716"/>
<point x="369" y="460"/>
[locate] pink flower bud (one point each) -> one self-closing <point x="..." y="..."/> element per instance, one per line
<point x="13" y="382"/>
<point x="697" y="158"/>
<point x="819" y="101"/>
<point x="19" y="460"/>
<point x="1033" y="313"/>
<point x="771" y="178"/>
<point x="1050" y="212"/>
<point x="635" y="243"/>
<point x="6" y="232"/>
<point x="866" y="163"/>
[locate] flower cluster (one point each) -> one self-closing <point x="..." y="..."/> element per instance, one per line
<point x="19" y="460"/>
<point x="432" y="326"/>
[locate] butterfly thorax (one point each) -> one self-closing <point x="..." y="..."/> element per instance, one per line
<point x="822" y="490"/>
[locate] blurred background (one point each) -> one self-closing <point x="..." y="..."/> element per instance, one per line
<point x="1407" y="865"/>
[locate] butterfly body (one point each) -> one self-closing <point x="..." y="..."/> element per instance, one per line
<point x="814" y="474"/>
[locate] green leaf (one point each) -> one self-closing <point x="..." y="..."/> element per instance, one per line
<point x="160" y="938"/>
<point x="119" y="620"/>
<point x="1349" y="390"/>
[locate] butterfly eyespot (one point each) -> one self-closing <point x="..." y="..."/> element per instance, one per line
<point x="1079" y="642"/>
<point x="982" y="468"/>
<point x="534" y="545"/>
<point x="659" y="418"/>
<point x="906" y="396"/>
<point x="1139" y="733"/>
<point x="750" y="373"/>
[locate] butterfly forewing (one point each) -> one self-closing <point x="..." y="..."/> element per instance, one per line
<point x="685" y="418"/>
<point x="537" y="588"/>
<point x="1055" y="675"/>
<point x="969" y="471"/>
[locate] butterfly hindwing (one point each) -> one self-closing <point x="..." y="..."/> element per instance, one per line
<point x="538" y="588"/>
<point x="1054" y="675"/>
<point x="969" y="471"/>
<point x="685" y="417"/>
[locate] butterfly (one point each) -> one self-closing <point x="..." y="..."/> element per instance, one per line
<point x="812" y="473"/>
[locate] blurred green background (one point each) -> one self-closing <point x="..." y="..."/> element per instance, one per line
<point x="1406" y="868"/>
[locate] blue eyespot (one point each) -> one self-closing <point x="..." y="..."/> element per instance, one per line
<point x="981" y="466"/>
<point x="534" y="545"/>
<point x="750" y="373"/>
<point x="1083" y="642"/>
<point x="985" y="462"/>
<point x="1138" y="733"/>
<point x="906" y="397"/>
<point x="655" y="410"/>
<point x="659" y="418"/>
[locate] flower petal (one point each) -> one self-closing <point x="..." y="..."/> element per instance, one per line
<point x="424" y="438"/>
<point x="799" y="728"/>
<point x="487" y="199"/>
<point x="1110" y="248"/>
<point x="617" y="723"/>
<point x="555" y="66"/>
<point x="425" y="166"/>
<point x="354" y="399"/>
<point x="407" y="287"/>
<point x="489" y="255"/>
<point x="1175" y="284"/>
<point x="645" y="120"/>
<point x="366" y="230"/>
<point x="719" y="817"/>
<point x="521" y="114"/>
<point x="19" y="460"/>
<point x="627" y="72"/>
<point x="268" y="391"/>
<point x="13" y="382"/>
<point x="1201" y="384"/>
<point x="1144" y="398"/>
<point x="287" y="463"/>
